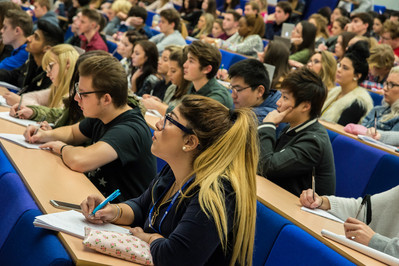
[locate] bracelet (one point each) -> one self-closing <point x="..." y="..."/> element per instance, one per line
<point x="63" y="146"/>
<point x="117" y="216"/>
<point x="320" y="203"/>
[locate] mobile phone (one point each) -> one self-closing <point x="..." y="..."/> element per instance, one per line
<point x="65" y="205"/>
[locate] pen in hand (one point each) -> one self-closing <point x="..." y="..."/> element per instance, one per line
<point x="40" y="124"/>
<point x="102" y="204"/>
<point x="375" y="123"/>
<point x="19" y="106"/>
<point x="313" y="181"/>
<point x="361" y="206"/>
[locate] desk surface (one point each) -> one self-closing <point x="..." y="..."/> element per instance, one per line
<point x="340" y="129"/>
<point x="46" y="177"/>
<point x="288" y="206"/>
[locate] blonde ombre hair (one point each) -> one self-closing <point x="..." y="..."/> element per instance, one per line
<point x="328" y="69"/>
<point x="207" y="29"/>
<point x="227" y="153"/>
<point x="66" y="56"/>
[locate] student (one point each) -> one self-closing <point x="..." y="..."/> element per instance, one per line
<point x="262" y="8"/>
<point x="303" y="145"/>
<point x="179" y="88"/>
<point x="251" y="8"/>
<point x="16" y="28"/>
<point x="303" y="43"/>
<point x="203" y="61"/>
<point x="361" y="24"/>
<point x="249" y="82"/>
<point x="229" y="5"/>
<point x="282" y="14"/>
<point x="89" y="28"/>
<point x="382" y="232"/>
<point x="337" y="13"/>
<point x="168" y="25"/>
<point x="145" y="62"/>
<point x="230" y="26"/>
<point x="137" y="17"/>
<point x="42" y="12"/>
<point x="5" y="50"/>
<point x="381" y="61"/>
<point x="247" y="40"/>
<point x="204" y="26"/>
<point x="121" y="9"/>
<point x="160" y="5"/>
<point x="324" y="64"/>
<point x="217" y="29"/>
<point x="190" y="13"/>
<point x="320" y="23"/>
<point x="119" y="156"/>
<point x="377" y="26"/>
<point x="349" y="103"/>
<point x="211" y="169"/>
<point x="342" y="43"/>
<point x="30" y="76"/>
<point x="390" y="35"/>
<point x="60" y="62"/>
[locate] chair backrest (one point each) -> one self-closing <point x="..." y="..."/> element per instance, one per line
<point x="354" y="165"/>
<point x="332" y="135"/>
<point x="28" y="245"/>
<point x="385" y="176"/>
<point x="294" y="246"/>
<point x="5" y="165"/>
<point x="15" y="199"/>
<point x="268" y="227"/>
<point x="112" y="49"/>
<point x="313" y="6"/>
<point x="377" y="98"/>
<point x="150" y="16"/>
<point x="228" y="59"/>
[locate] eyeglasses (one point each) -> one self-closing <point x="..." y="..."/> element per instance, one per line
<point x="86" y="92"/>
<point x="314" y="62"/>
<point x="183" y="128"/>
<point x="390" y="85"/>
<point x="49" y="67"/>
<point x="234" y="88"/>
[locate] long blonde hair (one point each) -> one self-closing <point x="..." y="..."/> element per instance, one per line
<point x="328" y="69"/>
<point x="207" y="29"/>
<point x="228" y="151"/>
<point x="65" y="55"/>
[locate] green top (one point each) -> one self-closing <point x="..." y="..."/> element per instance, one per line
<point x="216" y="91"/>
<point x="301" y="56"/>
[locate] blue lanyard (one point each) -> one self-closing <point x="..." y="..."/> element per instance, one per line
<point x="169" y="207"/>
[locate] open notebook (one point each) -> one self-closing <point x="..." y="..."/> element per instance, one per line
<point x="20" y="140"/>
<point x="376" y="142"/>
<point x="3" y="101"/>
<point x="323" y="213"/>
<point x="72" y="223"/>
<point x="378" y="255"/>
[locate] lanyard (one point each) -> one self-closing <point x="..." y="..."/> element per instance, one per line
<point x="169" y="207"/>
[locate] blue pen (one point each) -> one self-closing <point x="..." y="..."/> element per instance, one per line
<point x="110" y="198"/>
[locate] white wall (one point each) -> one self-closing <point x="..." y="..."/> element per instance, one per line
<point x="390" y="4"/>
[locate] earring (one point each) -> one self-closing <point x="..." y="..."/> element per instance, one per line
<point x="184" y="148"/>
<point x="354" y="78"/>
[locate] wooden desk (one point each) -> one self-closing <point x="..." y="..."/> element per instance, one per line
<point x="46" y="178"/>
<point x="340" y="130"/>
<point x="151" y="121"/>
<point x="288" y="206"/>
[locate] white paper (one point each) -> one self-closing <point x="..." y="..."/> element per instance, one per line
<point x="20" y="140"/>
<point x="73" y="223"/>
<point x="323" y="213"/>
<point x="376" y="142"/>
<point x="3" y="101"/>
<point x="152" y="112"/>
<point x="23" y="122"/>
<point x="378" y="255"/>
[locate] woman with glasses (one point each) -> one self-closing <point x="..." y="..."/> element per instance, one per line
<point x="59" y="63"/>
<point x="324" y="64"/>
<point x="382" y="122"/>
<point x="201" y="209"/>
<point x="349" y="103"/>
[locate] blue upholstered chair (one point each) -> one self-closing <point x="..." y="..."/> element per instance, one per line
<point x="5" y="165"/>
<point x="332" y="135"/>
<point x="150" y="16"/>
<point x="294" y="246"/>
<point x="28" y="245"/>
<point x="111" y="49"/>
<point x="312" y="7"/>
<point x="377" y="98"/>
<point x="385" y="176"/>
<point x="15" y="199"/>
<point x="268" y="226"/>
<point x="228" y="59"/>
<point x="354" y="165"/>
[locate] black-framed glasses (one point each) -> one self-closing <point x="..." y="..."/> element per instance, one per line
<point x="174" y="122"/>
<point x="237" y="90"/>
<point x="390" y="85"/>
<point x="86" y="92"/>
<point x="49" y="67"/>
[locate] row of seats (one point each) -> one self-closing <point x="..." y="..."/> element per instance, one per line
<point x="279" y="242"/>
<point x="20" y="242"/>
<point x="362" y="169"/>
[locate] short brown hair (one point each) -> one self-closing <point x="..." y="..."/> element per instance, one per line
<point x="381" y="56"/>
<point x="392" y="27"/>
<point x="4" y="8"/>
<point x="19" y="18"/>
<point x="92" y="15"/>
<point x="254" y="5"/>
<point x="236" y="16"/>
<point x="207" y="55"/>
<point x="172" y="16"/>
<point x="44" y="3"/>
<point x="107" y="75"/>
<point x="285" y="6"/>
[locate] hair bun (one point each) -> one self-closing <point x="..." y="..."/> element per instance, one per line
<point x="360" y="50"/>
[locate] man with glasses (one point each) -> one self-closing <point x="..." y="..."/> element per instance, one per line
<point x="304" y="144"/>
<point x="119" y="156"/>
<point x="249" y="82"/>
<point x="390" y="35"/>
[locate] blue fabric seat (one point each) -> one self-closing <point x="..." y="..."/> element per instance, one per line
<point x="377" y="98"/>
<point x="354" y="165"/>
<point x="313" y="6"/>
<point x="150" y="16"/>
<point x="332" y="135"/>
<point x="228" y="59"/>
<point x="385" y="175"/>
<point x="15" y="199"/>
<point x="5" y="165"/>
<point x="28" y="245"/>
<point x="112" y="49"/>
<point x="268" y="226"/>
<point x="294" y="246"/>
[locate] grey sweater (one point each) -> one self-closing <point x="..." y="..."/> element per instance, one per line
<point x="385" y="212"/>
